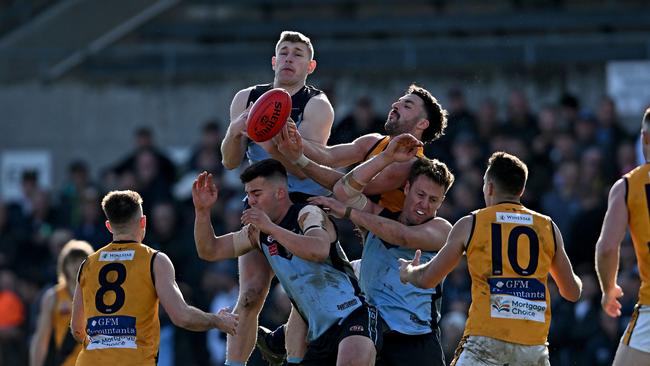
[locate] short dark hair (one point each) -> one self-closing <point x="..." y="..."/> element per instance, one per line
<point x="508" y="172"/>
<point x="434" y="169"/>
<point x="436" y="115"/>
<point x="295" y="37"/>
<point x="120" y="207"/>
<point x="267" y="168"/>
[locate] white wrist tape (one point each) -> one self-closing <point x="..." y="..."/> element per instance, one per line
<point x="302" y="161"/>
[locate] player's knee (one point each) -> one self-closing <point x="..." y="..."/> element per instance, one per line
<point x="251" y="299"/>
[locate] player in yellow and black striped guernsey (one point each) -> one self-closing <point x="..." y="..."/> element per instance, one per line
<point x="115" y="307"/>
<point x="52" y="344"/>
<point x="629" y="205"/>
<point x="510" y="252"/>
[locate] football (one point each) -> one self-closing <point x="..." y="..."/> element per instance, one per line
<point x="268" y="114"/>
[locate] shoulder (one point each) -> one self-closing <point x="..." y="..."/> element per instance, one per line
<point x="310" y="216"/>
<point x="465" y="220"/>
<point x="310" y="210"/>
<point x="440" y="222"/>
<point x="619" y="187"/>
<point x="319" y="104"/>
<point x="369" y="140"/>
<point x="242" y="96"/>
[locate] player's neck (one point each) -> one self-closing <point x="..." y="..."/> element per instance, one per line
<point x="282" y="211"/>
<point x="128" y="237"/>
<point x="290" y="88"/>
<point x="505" y="199"/>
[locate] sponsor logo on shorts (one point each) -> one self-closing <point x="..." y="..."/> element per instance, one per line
<point x="346" y="304"/>
<point x="356" y="328"/>
<point x="125" y="255"/>
<point x="515" y="218"/>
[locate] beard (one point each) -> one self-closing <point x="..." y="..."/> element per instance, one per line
<point x="398" y="126"/>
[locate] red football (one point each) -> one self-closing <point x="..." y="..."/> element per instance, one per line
<point x="268" y="114"/>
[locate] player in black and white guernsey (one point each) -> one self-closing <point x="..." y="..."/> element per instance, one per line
<point x="300" y="242"/>
<point x="410" y="314"/>
<point x="292" y="63"/>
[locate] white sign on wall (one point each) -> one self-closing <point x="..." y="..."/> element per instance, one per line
<point x="627" y="84"/>
<point x="12" y="165"/>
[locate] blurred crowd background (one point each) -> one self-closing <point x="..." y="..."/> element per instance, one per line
<point x="140" y="101"/>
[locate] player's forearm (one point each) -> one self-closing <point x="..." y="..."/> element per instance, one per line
<point x="79" y="334"/>
<point x="607" y="259"/>
<point x="311" y="248"/>
<point x="370" y="168"/>
<point x="195" y="320"/>
<point x="232" y="149"/>
<point x="325" y="176"/>
<point x="390" y="231"/>
<point x="317" y="153"/>
<point x="204" y="238"/>
<point x="353" y="183"/>
<point x="291" y="168"/>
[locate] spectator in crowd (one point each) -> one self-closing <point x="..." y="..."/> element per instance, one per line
<point x="207" y="154"/>
<point x="521" y="122"/>
<point x="72" y="193"/>
<point x="363" y="120"/>
<point x="144" y="141"/>
<point x="10" y="238"/>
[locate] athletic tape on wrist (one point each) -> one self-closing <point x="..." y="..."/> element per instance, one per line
<point x="302" y="161"/>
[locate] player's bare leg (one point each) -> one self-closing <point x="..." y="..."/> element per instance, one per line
<point x="255" y="276"/>
<point x="296" y="337"/>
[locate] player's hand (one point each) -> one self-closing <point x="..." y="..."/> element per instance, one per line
<point x="330" y="205"/>
<point x="227" y="321"/>
<point x="402" y="148"/>
<point x="610" y="302"/>
<point x="204" y="192"/>
<point x="406" y="267"/>
<point x="240" y="124"/>
<point x="258" y="219"/>
<point x="289" y="141"/>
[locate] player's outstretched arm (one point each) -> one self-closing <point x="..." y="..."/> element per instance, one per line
<point x="40" y="341"/>
<point x="209" y="246"/>
<point x="342" y="155"/>
<point x="607" y="248"/>
<point x="180" y="313"/>
<point x="568" y="283"/>
<point x="429" y="236"/>
<point x="290" y="145"/>
<point x="432" y="273"/>
<point x="401" y="149"/>
<point x="234" y="143"/>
